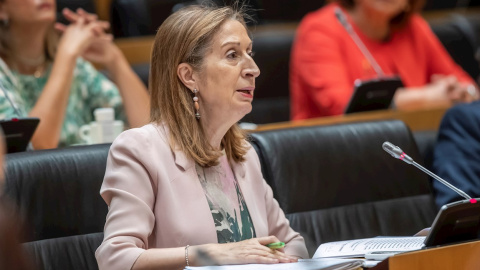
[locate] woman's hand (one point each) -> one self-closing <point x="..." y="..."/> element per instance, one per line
<point x="244" y="252"/>
<point x="101" y="49"/>
<point x="78" y="37"/>
<point x="443" y="91"/>
<point x="450" y="88"/>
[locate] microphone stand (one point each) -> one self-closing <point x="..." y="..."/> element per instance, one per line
<point x="459" y="192"/>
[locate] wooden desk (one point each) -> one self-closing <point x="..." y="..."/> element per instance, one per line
<point x="427" y="119"/>
<point x="455" y="257"/>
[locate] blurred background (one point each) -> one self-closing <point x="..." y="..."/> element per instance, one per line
<point x="134" y="22"/>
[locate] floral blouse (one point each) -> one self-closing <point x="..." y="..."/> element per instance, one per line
<point x="89" y="90"/>
<point x="230" y="213"/>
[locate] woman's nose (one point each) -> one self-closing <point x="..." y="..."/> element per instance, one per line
<point x="251" y="69"/>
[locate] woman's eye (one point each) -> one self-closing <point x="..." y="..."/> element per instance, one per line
<point x="232" y="55"/>
<point x="252" y="54"/>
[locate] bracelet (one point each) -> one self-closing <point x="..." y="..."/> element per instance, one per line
<point x="186" y="255"/>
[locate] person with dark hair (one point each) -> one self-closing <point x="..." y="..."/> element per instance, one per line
<point x="44" y="76"/>
<point x="456" y="156"/>
<point x="326" y="59"/>
<point x="187" y="189"/>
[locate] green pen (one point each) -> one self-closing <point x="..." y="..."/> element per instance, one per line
<point x="276" y="245"/>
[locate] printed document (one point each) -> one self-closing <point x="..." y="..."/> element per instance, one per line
<point x="358" y="248"/>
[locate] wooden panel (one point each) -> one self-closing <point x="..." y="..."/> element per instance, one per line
<point x="462" y="256"/>
<point x="136" y="50"/>
<point x="428" y="119"/>
<point x="103" y="9"/>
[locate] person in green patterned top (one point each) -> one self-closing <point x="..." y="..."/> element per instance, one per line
<point x="50" y="78"/>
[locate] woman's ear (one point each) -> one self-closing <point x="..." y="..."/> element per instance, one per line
<point x="185" y="74"/>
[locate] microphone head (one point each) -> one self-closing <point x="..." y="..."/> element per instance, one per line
<point x="396" y="152"/>
<point x="393" y="150"/>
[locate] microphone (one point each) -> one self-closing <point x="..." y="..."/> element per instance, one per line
<point x="398" y="153"/>
<point x="342" y="18"/>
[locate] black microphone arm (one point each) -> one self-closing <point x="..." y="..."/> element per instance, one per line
<point x="398" y="153"/>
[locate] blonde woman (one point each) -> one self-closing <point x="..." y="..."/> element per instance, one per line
<point x="53" y="80"/>
<point x="187" y="189"/>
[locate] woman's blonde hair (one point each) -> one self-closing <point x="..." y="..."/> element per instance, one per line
<point x="185" y="37"/>
<point x="51" y="41"/>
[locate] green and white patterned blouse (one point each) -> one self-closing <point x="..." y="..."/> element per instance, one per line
<point x="89" y="90"/>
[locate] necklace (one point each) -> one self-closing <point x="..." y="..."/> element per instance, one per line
<point x="31" y="62"/>
<point x="38" y="64"/>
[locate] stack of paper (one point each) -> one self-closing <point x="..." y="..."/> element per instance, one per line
<point x="311" y="264"/>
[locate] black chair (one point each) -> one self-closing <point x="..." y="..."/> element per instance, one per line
<point x="72" y="252"/>
<point x="131" y="18"/>
<point x="336" y="182"/>
<point x="461" y="38"/>
<point x="87" y="5"/>
<point x="57" y="191"/>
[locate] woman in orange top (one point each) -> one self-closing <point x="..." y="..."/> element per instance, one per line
<point x="326" y="61"/>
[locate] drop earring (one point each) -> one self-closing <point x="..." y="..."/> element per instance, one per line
<point x="195" y="103"/>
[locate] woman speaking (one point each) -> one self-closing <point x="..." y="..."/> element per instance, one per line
<point x="187" y="189"/>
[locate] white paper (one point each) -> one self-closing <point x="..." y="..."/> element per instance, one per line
<point x="311" y="264"/>
<point x="358" y="248"/>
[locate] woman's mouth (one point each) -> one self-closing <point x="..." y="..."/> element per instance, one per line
<point x="246" y="92"/>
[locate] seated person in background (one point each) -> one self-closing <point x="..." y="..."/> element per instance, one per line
<point x="189" y="186"/>
<point x="326" y="61"/>
<point x="53" y="81"/>
<point x="456" y="156"/>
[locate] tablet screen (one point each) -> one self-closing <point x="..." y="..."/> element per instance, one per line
<point x="18" y="132"/>
<point x="373" y="95"/>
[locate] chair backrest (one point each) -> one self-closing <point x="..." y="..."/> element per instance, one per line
<point x="130" y="18"/>
<point x="87" y="5"/>
<point x="73" y="252"/>
<point x="336" y="182"/>
<point x="459" y="35"/>
<point x="57" y="191"/>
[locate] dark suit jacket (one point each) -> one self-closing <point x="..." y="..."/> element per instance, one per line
<point x="457" y="153"/>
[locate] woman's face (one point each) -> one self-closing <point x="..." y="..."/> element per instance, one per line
<point x="226" y="81"/>
<point x="28" y="11"/>
<point x="387" y="8"/>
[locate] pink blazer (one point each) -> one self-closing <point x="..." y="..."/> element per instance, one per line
<point x="156" y="200"/>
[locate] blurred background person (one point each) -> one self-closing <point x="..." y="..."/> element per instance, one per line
<point x="52" y="79"/>
<point x="326" y="61"/>
<point x="191" y="170"/>
<point x="456" y="157"/>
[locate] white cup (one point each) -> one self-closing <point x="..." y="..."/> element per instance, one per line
<point x="105" y="132"/>
<point x="104" y="114"/>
